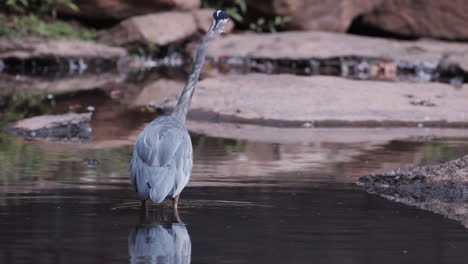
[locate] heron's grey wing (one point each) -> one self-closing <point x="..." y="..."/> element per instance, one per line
<point x="151" y="170"/>
<point x="183" y="159"/>
<point x="157" y="145"/>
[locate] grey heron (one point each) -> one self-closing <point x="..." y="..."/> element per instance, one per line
<point x="162" y="159"/>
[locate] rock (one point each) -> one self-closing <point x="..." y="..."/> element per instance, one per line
<point x="204" y="18"/>
<point x="440" y="188"/>
<point x="452" y="175"/>
<point x="304" y="45"/>
<point x="31" y="48"/>
<point x="288" y="100"/>
<point x="456" y="209"/>
<point x="68" y="84"/>
<point x="327" y="15"/>
<point x="436" y="19"/>
<point x="161" y="29"/>
<point x="160" y="93"/>
<point x="318" y="135"/>
<point x="121" y="9"/>
<point x="67" y="127"/>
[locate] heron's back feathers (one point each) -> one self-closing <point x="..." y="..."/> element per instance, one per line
<point x="162" y="160"/>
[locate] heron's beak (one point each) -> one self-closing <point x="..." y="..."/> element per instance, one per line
<point x="220" y="25"/>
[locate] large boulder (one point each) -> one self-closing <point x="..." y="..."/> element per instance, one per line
<point x="326" y="15"/>
<point x="121" y="9"/>
<point x="437" y="19"/>
<point x="160" y="28"/>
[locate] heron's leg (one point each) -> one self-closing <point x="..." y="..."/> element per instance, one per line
<point x="175" y="201"/>
<point x="175" y="211"/>
<point x="143" y="212"/>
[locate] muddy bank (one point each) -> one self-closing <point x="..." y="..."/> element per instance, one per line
<point x="441" y="188"/>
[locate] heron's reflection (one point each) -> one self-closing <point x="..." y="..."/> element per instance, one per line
<point x="156" y="241"/>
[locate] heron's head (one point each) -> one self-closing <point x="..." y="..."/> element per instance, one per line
<point x="220" y="18"/>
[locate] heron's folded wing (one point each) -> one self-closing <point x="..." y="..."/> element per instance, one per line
<point x="157" y="145"/>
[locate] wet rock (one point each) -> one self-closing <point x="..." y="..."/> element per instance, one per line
<point x="159" y="94"/>
<point x="440" y="188"/>
<point x="288" y="100"/>
<point x="121" y="9"/>
<point x="66" y="128"/>
<point x="452" y="175"/>
<point x="320" y="135"/>
<point x="91" y="161"/>
<point x="33" y="48"/>
<point x="437" y="19"/>
<point x="160" y="28"/>
<point x="306" y="45"/>
<point x="328" y="15"/>
<point x="452" y="208"/>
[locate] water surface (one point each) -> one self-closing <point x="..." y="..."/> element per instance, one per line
<point x="248" y="202"/>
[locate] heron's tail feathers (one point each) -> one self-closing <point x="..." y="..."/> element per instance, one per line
<point x="161" y="182"/>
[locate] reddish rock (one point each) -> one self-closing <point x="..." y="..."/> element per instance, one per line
<point x="326" y="15"/>
<point x="437" y="19"/>
<point x="160" y="28"/>
<point x="321" y="101"/>
<point x="303" y="45"/>
<point x="30" y="48"/>
<point x="121" y="9"/>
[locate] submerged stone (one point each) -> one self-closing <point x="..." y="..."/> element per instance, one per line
<point x="66" y="128"/>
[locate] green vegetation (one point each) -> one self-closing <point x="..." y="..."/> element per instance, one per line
<point x="37" y="18"/>
<point x="13" y="27"/>
<point x="442" y="150"/>
<point x="37" y="7"/>
<point x="246" y="18"/>
<point x="16" y="106"/>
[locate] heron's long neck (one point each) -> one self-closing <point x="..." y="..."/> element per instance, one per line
<point x="182" y="107"/>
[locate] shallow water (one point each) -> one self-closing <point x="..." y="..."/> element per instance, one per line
<point x="257" y="194"/>
<point x="247" y="202"/>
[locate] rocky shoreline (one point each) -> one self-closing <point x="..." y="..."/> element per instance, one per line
<point x="441" y="188"/>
